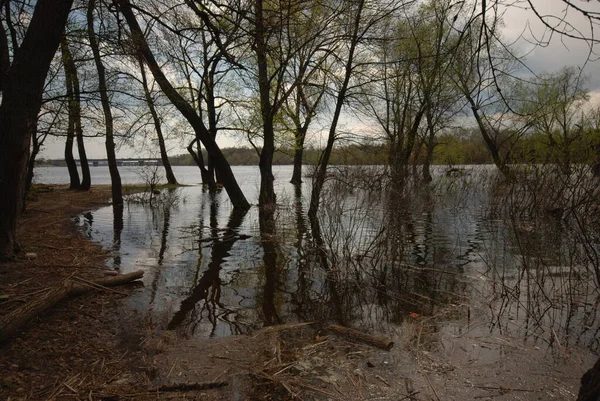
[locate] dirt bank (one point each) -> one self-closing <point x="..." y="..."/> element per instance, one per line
<point x="81" y="345"/>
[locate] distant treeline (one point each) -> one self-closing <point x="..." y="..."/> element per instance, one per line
<point x="242" y="156"/>
<point x="467" y="147"/>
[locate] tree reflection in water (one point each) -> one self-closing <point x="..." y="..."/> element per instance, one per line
<point x="464" y="251"/>
<point x="205" y="296"/>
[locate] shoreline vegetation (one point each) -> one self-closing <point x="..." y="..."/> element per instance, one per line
<point x="466" y="147"/>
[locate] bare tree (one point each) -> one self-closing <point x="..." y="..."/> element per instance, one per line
<point x="157" y="126"/>
<point x="69" y="65"/>
<point x="282" y="31"/>
<point x="358" y="19"/>
<point x="115" y="177"/>
<point x="140" y="44"/>
<point x="22" y="84"/>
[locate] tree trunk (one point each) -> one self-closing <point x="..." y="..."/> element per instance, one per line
<point x="489" y="141"/>
<point x="68" y="65"/>
<point x="302" y="103"/>
<point x="229" y="182"/>
<point x="207" y="177"/>
<point x="161" y="140"/>
<point x="115" y="178"/>
<point x="21" y="101"/>
<point x="70" y="159"/>
<point x="86" y="179"/>
<point x="297" y="173"/>
<point x="266" y="196"/>
<point x="319" y="179"/>
<point x="596" y="162"/>
<point x="37" y="142"/>
<point x="429" y="147"/>
<point x="300" y="135"/>
<point x="590" y="384"/>
<point x="35" y="149"/>
<point x="211" y="108"/>
<point x="74" y="96"/>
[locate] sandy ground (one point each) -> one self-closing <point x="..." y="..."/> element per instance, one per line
<point x="91" y="348"/>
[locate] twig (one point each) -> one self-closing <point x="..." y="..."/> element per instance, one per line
<point x="286" y="368"/>
<point x="22" y="282"/>
<point x="308" y="386"/>
<point x="506" y="389"/>
<point x="410" y="396"/>
<point x="193" y="386"/>
<point x="433" y="388"/>
<point x="70" y="388"/>
<point x="52" y="247"/>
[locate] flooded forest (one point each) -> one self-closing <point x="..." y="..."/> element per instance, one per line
<point x="442" y="241"/>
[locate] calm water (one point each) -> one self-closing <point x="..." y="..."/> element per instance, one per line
<point x="464" y="253"/>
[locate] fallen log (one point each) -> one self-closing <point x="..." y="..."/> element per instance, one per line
<point x="354" y="334"/>
<point x="16" y="319"/>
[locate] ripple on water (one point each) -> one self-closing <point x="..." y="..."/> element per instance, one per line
<point x="210" y="272"/>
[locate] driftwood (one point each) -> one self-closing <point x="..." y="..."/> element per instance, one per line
<point x="15" y="320"/>
<point x="354" y="334"/>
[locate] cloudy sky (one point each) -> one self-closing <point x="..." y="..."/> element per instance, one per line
<point x="522" y="26"/>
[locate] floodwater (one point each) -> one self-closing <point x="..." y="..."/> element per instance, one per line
<point x="467" y="257"/>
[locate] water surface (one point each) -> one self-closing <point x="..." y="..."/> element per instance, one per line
<point x="451" y="255"/>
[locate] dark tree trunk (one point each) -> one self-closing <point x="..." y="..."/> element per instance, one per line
<point x="429" y="147"/>
<point x="4" y="55"/>
<point x="161" y="140"/>
<point x="596" y="164"/>
<point x="229" y="182"/>
<point x="302" y="103"/>
<point x="489" y="141"/>
<point x="207" y="177"/>
<point x="69" y="158"/>
<point x="68" y="66"/>
<point x="211" y="107"/>
<point x="21" y="101"/>
<point x="35" y="149"/>
<point x="115" y="178"/>
<point x="590" y="384"/>
<point x="300" y="137"/>
<point x="403" y="149"/>
<point x="596" y="169"/>
<point x="86" y="179"/>
<point x="37" y="142"/>
<point x="297" y="173"/>
<point x="74" y="96"/>
<point x="266" y="196"/>
<point x="319" y="179"/>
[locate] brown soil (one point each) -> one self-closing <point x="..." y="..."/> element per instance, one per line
<point x="80" y="345"/>
<point x="92" y="348"/>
